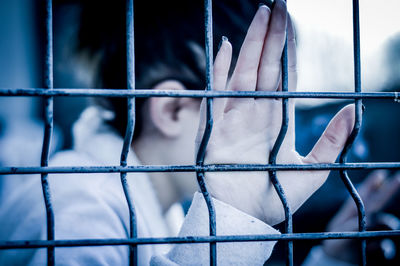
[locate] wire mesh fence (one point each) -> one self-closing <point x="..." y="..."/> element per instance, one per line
<point x="200" y="168"/>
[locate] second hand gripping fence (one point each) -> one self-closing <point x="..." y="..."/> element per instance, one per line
<point x="48" y="92"/>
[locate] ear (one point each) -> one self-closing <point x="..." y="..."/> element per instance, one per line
<point x="164" y="110"/>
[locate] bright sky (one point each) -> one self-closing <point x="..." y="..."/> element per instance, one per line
<point x="325" y="53"/>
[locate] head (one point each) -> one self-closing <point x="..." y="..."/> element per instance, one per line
<point x="169" y="55"/>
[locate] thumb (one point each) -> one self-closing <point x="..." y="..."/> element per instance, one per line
<point x="332" y="141"/>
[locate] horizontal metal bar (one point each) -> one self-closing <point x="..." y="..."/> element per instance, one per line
<point x="195" y="168"/>
<point x="22" y="244"/>
<point x="143" y="93"/>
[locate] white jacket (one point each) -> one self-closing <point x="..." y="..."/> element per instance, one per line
<point x="88" y="206"/>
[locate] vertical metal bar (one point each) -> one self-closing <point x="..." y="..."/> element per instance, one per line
<point x="130" y="68"/>
<point x="357" y="126"/>
<point x="207" y="132"/>
<point x="272" y="157"/>
<point x="48" y="128"/>
<point x="272" y="160"/>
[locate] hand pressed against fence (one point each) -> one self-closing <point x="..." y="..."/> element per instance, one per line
<point x="245" y="130"/>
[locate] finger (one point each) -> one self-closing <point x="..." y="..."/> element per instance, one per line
<point x="372" y="183"/>
<point x="328" y="147"/>
<point x="383" y="195"/>
<point x="270" y="65"/>
<point x="221" y="70"/>
<point x="244" y="76"/>
<point x="368" y="187"/>
<point x="292" y="82"/>
<point x="269" y="81"/>
<point x="292" y="56"/>
<point x="202" y="124"/>
<point x="376" y="191"/>
<point x="222" y="63"/>
<point x="332" y="141"/>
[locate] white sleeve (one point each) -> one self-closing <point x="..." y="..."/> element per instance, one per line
<point x="230" y="221"/>
<point x="317" y="256"/>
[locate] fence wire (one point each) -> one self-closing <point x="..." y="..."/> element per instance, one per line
<point x="48" y="92"/>
<point x="48" y="128"/>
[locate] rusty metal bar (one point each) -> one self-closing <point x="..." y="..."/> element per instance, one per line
<point x="22" y="244"/>
<point x="195" y="168"/>
<point x="146" y="93"/>
<point x="357" y="126"/>
<point x="274" y="152"/>
<point x="130" y="127"/>
<point x="48" y="128"/>
<point x="207" y="132"/>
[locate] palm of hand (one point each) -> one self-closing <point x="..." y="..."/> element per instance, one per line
<point x="245" y="130"/>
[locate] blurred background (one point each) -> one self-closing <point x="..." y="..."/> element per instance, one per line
<point x="325" y="63"/>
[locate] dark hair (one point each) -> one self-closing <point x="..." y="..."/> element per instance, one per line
<point x="169" y="43"/>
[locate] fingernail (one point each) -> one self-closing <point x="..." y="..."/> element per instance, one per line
<point x="269" y="3"/>
<point x="379" y="180"/>
<point x="397" y="177"/>
<point x="223" y="39"/>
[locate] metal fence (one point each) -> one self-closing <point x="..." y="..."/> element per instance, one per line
<point x="48" y="92"/>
